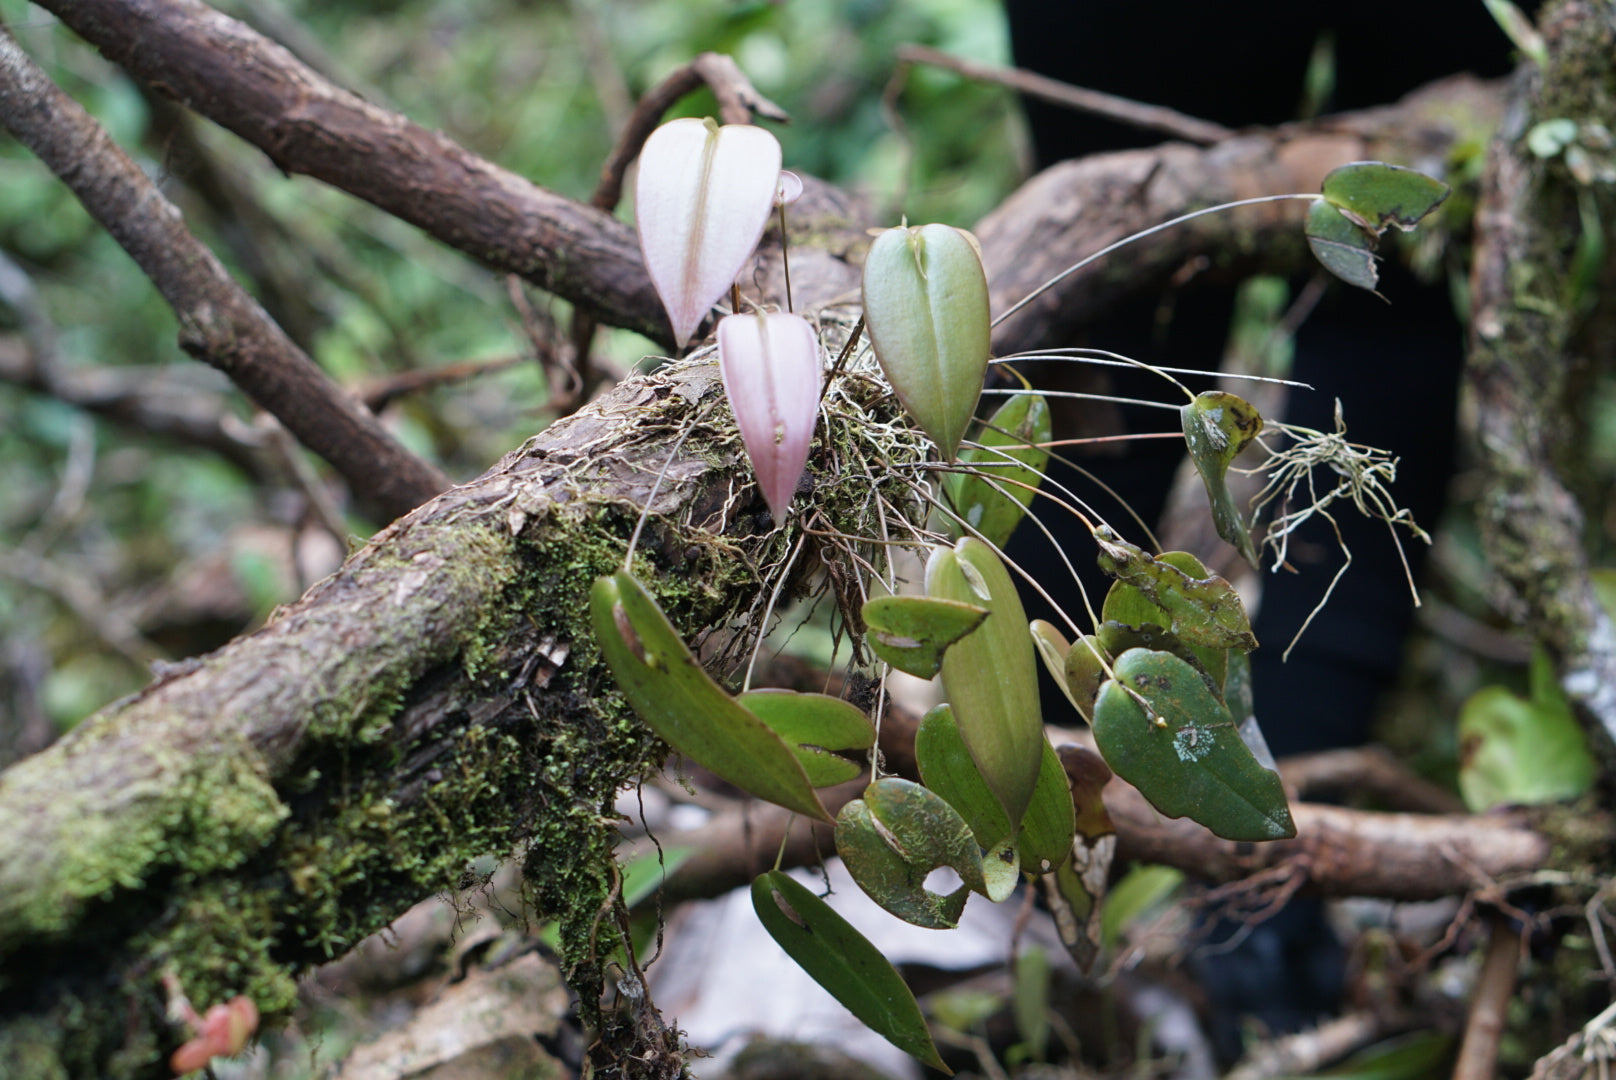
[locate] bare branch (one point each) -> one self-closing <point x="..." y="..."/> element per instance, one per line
<point x="219" y="323"/>
<point x="1157" y="118"/>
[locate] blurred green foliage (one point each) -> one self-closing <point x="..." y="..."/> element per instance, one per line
<point x="169" y="539"/>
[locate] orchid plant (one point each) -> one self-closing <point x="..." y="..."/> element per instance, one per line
<point x="1161" y="674"/>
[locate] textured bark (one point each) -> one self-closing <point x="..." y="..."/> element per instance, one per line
<point x="1078" y="207"/>
<point x="261" y="809"/>
<point x="1529" y="341"/>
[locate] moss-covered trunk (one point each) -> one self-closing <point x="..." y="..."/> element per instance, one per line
<point x="262" y="809"/>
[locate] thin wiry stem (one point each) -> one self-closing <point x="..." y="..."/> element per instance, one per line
<point x="1125" y="241"/>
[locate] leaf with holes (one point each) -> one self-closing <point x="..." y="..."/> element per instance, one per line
<point x="1164" y="732"/>
<point x="772" y="376"/>
<point x="1201" y="610"/>
<point x="1217" y="427"/>
<point x="680" y="702"/>
<point x="926" y="311"/>
<point x="897" y="834"/>
<point x="912" y="632"/>
<point x="815" y="727"/>
<point x="991" y="677"/>
<point x="701" y="202"/>
<point x="843" y="961"/>
<point x="1010" y="461"/>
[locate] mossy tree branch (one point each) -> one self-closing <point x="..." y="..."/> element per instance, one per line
<point x="1535" y="313"/>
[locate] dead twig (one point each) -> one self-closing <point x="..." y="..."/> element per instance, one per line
<point x="1478" y="1053"/>
<point x="1169" y="122"/>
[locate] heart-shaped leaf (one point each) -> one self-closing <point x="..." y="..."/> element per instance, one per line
<point x="772" y="375"/>
<point x="1515" y="750"/>
<point x="1181" y="750"/>
<point x="926" y="311"/>
<point x="1011" y="463"/>
<point x="814" y="726"/>
<point x="896" y="835"/>
<point x="1202" y="610"/>
<point x="991" y="676"/>
<point x="1376" y="196"/>
<point x="1217" y="427"/>
<point x="680" y="702"/>
<point x="912" y="632"/>
<point x="843" y="961"/>
<point x="1342" y="247"/>
<point x="701" y="202"/>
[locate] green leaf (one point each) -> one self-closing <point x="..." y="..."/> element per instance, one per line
<point x="1045" y="839"/>
<point x="946" y="768"/>
<point x="926" y="311"/>
<point x="1376" y="196"/>
<point x="1013" y="432"/>
<point x="1549" y="138"/>
<point x="1185" y="754"/>
<point x="814" y="726"/>
<point x="1085" y="672"/>
<point x="1341" y="247"/>
<point x="1030" y="1000"/>
<point x="1217" y="427"/>
<point x="680" y="702"/>
<point x="1200" y="610"/>
<point x="991" y="677"/>
<point x="898" y="833"/>
<point x="1514" y="751"/>
<point x="1053" y="649"/>
<point x="843" y="961"/>
<point x="1140" y="890"/>
<point x="912" y="632"/>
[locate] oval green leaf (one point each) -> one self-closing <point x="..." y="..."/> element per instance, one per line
<point x="1053" y="648"/>
<point x="991" y="677"/>
<point x="1011" y="463"/>
<point x="815" y="726"/>
<point x="898" y="833"/>
<point x="912" y="632"/>
<point x="1046" y="833"/>
<point x="1184" y="754"/>
<point x="680" y="702"/>
<point x="1375" y="195"/>
<point x="926" y="311"/>
<point x="1200" y="610"/>
<point x="1217" y="427"/>
<point x="842" y="960"/>
<point x="946" y="768"/>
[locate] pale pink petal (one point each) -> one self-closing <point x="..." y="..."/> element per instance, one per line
<point x="789" y="189"/>
<point x="772" y="374"/>
<point x="701" y="203"/>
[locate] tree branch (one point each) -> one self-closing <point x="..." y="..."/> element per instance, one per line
<point x="1526" y="314"/>
<point x="219" y="323"/>
<point x="239" y="79"/>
